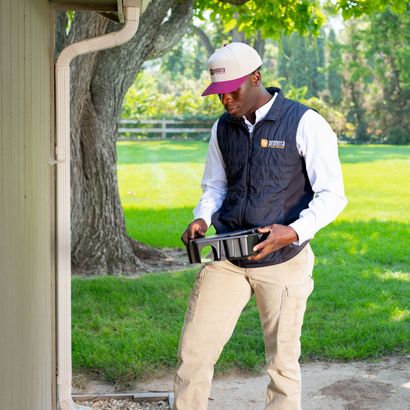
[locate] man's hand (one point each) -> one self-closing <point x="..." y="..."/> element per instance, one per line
<point x="279" y="236"/>
<point x="195" y="229"/>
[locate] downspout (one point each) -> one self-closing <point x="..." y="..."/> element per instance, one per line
<point x="64" y="365"/>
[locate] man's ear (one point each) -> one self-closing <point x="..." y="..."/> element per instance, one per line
<point x="256" y="78"/>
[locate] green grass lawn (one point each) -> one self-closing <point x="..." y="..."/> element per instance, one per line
<point x="159" y="185"/>
<point x="125" y="329"/>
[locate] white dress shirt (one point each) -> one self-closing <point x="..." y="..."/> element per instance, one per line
<point x="317" y="144"/>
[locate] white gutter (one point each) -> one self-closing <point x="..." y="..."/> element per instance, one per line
<point x="64" y="366"/>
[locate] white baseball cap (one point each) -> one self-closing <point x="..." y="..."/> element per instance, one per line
<point x="229" y="66"/>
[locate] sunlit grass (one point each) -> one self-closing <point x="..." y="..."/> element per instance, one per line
<point x="159" y="184"/>
<point x="377" y="182"/>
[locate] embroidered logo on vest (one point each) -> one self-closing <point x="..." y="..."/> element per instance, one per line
<point x="272" y="143"/>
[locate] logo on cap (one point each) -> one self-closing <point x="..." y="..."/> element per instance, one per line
<point x="217" y="70"/>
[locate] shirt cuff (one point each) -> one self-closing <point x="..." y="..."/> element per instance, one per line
<point x="303" y="233"/>
<point x="205" y="217"/>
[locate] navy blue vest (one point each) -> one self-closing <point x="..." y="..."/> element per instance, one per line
<point x="267" y="178"/>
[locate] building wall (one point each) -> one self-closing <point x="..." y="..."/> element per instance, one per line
<point x="27" y="333"/>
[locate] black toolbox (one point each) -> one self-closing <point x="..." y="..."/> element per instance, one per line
<point x="233" y="245"/>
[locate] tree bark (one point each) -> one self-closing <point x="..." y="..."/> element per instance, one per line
<point x="99" y="81"/>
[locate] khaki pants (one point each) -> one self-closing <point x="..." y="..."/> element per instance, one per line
<point x="220" y="293"/>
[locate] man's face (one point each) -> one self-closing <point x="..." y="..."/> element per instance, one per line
<point x="239" y="102"/>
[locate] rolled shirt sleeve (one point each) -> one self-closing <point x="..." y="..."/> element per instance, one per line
<point x="317" y="143"/>
<point x="214" y="183"/>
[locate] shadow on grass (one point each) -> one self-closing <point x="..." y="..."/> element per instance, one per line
<point x="353" y="154"/>
<point x="126" y="329"/>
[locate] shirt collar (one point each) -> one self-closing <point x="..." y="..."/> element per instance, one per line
<point x="261" y="111"/>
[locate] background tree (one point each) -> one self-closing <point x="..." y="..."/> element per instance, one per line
<point x="298" y="67"/>
<point x="283" y="59"/>
<point x="301" y="63"/>
<point x="387" y="41"/>
<point x="319" y="49"/>
<point x="334" y="76"/>
<point x="270" y="17"/>
<point x="356" y="78"/>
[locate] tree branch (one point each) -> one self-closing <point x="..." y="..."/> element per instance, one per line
<point x="168" y="35"/>
<point x="235" y="2"/>
<point x="204" y="39"/>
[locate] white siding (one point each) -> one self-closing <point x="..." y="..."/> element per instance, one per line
<point x="27" y="352"/>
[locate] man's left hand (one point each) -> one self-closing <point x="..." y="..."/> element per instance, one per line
<point x="279" y="236"/>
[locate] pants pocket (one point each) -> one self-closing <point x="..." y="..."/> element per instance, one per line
<point x="292" y="310"/>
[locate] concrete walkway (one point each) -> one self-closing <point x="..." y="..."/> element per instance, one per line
<point x="384" y="385"/>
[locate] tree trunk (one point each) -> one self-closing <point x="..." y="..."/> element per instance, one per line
<point x="100" y="244"/>
<point x="259" y="44"/>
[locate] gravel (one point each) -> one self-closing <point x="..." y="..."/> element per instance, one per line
<point x="115" y="404"/>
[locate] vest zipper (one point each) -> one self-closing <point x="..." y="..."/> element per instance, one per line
<point x="248" y="170"/>
<point x="248" y="167"/>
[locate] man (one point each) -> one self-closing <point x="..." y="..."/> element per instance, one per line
<point x="272" y="163"/>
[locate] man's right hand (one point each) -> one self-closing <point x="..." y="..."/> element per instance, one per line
<point x="196" y="229"/>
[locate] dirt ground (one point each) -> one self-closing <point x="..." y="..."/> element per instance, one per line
<point x="382" y="385"/>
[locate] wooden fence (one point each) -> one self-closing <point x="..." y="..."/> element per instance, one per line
<point x="160" y="129"/>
